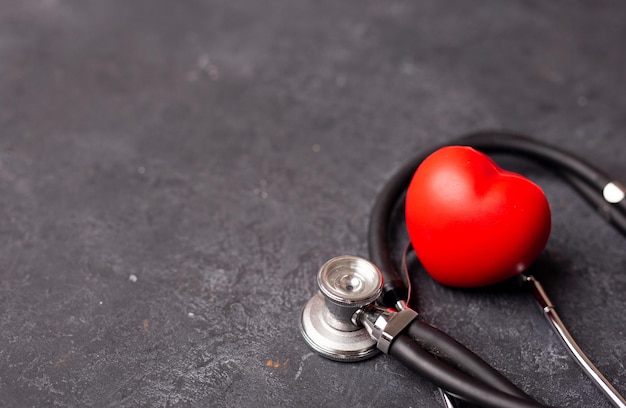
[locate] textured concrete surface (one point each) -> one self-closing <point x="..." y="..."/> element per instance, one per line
<point x="173" y="174"/>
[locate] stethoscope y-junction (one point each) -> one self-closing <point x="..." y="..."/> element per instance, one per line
<point x="362" y="305"/>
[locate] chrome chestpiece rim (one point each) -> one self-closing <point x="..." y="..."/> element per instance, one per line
<point x="346" y="284"/>
<point x="350" y="280"/>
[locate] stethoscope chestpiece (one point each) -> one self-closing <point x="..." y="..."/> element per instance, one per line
<point x="347" y="283"/>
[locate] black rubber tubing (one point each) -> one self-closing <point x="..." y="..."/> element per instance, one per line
<point x="459" y="384"/>
<point x="446" y="348"/>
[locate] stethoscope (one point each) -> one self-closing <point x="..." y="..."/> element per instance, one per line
<point x="362" y="307"/>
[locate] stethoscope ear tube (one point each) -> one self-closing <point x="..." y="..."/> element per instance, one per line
<point x="572" y="346"/>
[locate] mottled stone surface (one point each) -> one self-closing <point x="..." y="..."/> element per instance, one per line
<point x="173" y="174"/>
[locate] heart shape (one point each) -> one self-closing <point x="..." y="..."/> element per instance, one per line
<point x="472" y="223"/>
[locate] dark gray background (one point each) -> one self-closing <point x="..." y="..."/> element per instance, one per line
<point x="220" y="151"/>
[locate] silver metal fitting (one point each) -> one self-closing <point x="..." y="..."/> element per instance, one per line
<point x="384" y="325"/>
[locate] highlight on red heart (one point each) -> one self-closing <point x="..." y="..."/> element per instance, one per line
<point x="470" y="222"/>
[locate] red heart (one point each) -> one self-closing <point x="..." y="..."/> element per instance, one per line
<point x="472" y="223"/>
